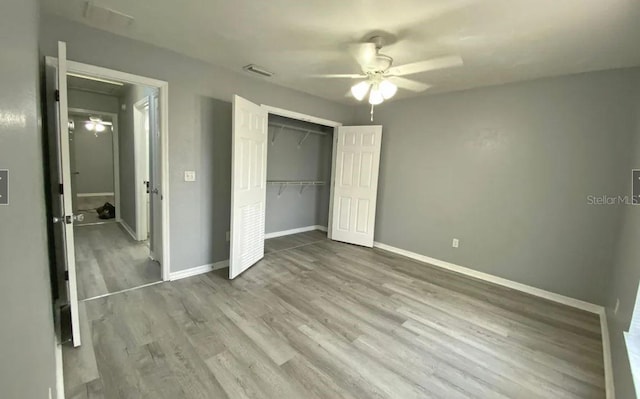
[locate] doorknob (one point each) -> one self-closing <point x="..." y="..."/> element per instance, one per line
<point x="68" y="219"/>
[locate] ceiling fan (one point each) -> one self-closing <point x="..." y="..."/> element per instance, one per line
<point x="381" y="79"/>
<point x="96" y="125"/>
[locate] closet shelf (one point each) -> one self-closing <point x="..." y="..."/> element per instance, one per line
<point x="302" y="183"/>
<point x="306" y="132"/>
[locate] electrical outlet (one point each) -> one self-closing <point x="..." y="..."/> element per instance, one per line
<point x="615" y="310"/>
<point x="228" y="236"/>
<point x="189" y="175"/>
<point x="455" y="243"/>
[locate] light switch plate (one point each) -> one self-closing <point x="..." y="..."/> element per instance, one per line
<point x="189" y="175"/>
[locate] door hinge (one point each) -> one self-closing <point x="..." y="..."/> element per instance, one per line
<point x="61" y="188"/>
<point x="57" y="95"/>
<point x="66" y="275"/>
<point x="68" y="219"/>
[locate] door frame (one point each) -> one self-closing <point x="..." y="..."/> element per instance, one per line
<point x="320" y="121"/>
<point x="116" y="150"/>
<point x="139" y="155"/>
<point x="163" y="95"/>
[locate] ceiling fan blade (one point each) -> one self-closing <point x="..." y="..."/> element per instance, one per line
<point x="340" y="76"/>
<point x="100" y="121"/>
<point x="428" y="65"/>
<point x="409" y="84"/>
<point x="364" y="53"/>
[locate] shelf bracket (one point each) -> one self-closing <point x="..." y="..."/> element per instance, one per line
<point x="281" y="190"/>
<point x="303" y="139"/>
<point x="275" y="134"/>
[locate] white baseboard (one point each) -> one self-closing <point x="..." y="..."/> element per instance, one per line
<point x="94" y="194"/>
<point x="128" y="229"/>
<point x="294" y="231"/>
<point x="606" y="354"/>
<point x="59" y="371"/>
<point x="194" y="271"/>
<point x="552" y="296"/>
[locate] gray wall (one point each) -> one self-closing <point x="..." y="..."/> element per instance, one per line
<point x="126" y="131"/>
<point x="507" y="170"/>
<point x="191" y="84"/>
<point x="27" y="366"/>
<point x="285" y="161"/>
<point x="93" y="101"/>
<point x="626" y="275"/>
<point x="92" y="157"/>
<point x="215" y="198"/>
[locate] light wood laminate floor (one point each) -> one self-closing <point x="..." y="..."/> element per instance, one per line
<point x="330" y="320"/>
<point x="108" y="260"/>
<point x="293" y="241"/>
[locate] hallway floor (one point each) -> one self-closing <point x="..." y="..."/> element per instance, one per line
<point x="108" y="260"/>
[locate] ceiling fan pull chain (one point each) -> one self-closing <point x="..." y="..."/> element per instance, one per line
<point x="372" y="112"/>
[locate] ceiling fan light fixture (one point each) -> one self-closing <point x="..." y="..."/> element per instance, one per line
<point x="90" y="125"/>
<point x="375" y="97"/>
<point x="388" y="89"/>
<point x="99" y="127"/>
<point x="359" y="90"/>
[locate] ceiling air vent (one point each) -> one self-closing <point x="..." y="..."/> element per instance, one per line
<point x="256" y="69"/>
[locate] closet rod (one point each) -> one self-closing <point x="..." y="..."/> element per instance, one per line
<point x="300" y="129"/>
<point x="302" y="183"/>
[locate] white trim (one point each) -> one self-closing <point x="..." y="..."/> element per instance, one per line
<point x="294" y="231"/>
<point x="332" y="185"/>
<point x="94" y="194"/>
<point x="59" y="371"/>
<point x="121" y="291"/>
<point x="565" y="300"/>
<point x="320" y="121"/>
<point x="106" y="221"/>
<point x="606" y="355"/>
<point x="128" y="229"/>
<point x="299" y="116"/>
<point x="194" y="271"/>
<point x="112" y="74"/>
<point x="163" y="89"/>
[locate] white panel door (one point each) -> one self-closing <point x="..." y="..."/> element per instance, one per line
<point x="356" y="184"/>
<point x="62" y="190"/>
<point x="156" y="189"/>
<point x="248" y="185"/>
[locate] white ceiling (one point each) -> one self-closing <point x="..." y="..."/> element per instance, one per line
<point x="500" y="40"/>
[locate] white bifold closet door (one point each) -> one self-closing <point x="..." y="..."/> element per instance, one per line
<point x="357" y="161"/>
<point x="248" y="185"/>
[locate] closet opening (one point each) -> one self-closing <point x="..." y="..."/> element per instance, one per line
<point x="292" y="174"/>
<point x="299" y="176"/>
